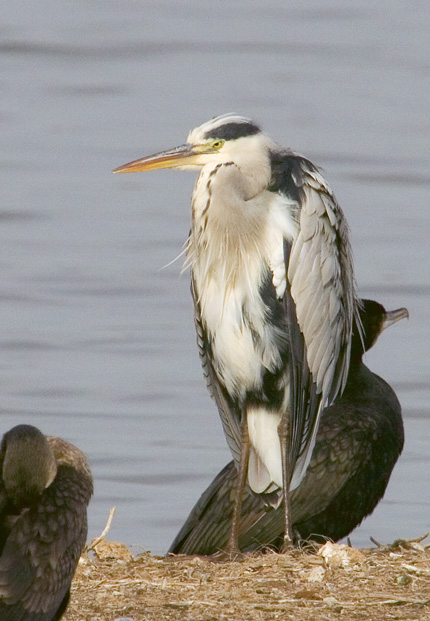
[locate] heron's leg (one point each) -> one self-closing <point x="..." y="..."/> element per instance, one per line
<point x="283" y="433"/>
<point x="233" y="540"/>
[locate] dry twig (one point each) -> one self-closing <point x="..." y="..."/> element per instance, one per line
<point x="105" y="531"/>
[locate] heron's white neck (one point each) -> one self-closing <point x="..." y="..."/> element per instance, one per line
<point x="251" y="155"/>
<point x="228" y="223"/>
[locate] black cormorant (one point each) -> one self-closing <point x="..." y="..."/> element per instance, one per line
<point x="45" y="487"/>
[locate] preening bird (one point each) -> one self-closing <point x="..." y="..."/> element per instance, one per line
<point x="359" y="440"/>
<point x="273" y="289"/>
<point x="45" y="488"/>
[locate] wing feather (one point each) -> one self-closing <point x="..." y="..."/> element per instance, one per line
<point x="320" y="303"/>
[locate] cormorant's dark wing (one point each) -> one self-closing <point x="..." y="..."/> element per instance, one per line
<point x="320" y="301"/>
<point x="230" y="417"/>
<point x="42" y="549"/>
<point x="206" y="530"/>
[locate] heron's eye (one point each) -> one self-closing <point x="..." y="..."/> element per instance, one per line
<point x="217" y="144"/>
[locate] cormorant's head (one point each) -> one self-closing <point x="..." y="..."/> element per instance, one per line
<point x="374" y="319"/>
<point x="27" y="464"/>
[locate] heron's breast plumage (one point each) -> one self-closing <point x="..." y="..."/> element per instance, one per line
<point x="236" y="253"/>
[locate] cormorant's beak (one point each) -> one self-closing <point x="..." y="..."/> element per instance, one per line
<point x="179" y="157"/>
<point x="394" y="316"/>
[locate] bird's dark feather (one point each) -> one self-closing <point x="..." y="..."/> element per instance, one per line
<point x="42" y="543"/>
<point x="288" y="173"/>
<point x="232" y="131"/>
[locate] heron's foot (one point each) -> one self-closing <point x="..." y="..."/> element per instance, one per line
<point x="287" y="547"/>
<point x="289" y="544"/>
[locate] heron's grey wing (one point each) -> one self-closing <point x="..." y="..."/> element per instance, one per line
<point x="42" y="550"/>
<point x="320" y="304"/>
<point x="230" y="417"/>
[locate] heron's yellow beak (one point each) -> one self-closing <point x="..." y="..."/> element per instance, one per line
<point x="179" y="157"/>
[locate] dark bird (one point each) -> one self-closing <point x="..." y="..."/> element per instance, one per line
<point x="45" y="488"/>
<point x="359" y="440"/>
<point x="274" y="297"/>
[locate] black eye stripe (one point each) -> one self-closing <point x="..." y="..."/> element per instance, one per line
<point x="232" y="131"/>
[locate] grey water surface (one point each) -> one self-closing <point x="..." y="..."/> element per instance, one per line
<point x="96" y="339"/>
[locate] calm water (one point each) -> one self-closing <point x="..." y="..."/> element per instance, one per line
<point x="97" y="341"/>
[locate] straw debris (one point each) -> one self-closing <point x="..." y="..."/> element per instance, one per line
<point x="383" y="583"/>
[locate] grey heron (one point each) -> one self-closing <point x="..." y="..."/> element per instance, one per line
<point x="359" y="439"/>
<point x="45" y="487"/>
<point x="273" y="289"/>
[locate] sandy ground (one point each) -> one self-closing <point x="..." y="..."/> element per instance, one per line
<point x="332" y="582"/>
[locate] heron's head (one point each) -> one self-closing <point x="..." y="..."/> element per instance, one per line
<point x="226" y="138"/>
